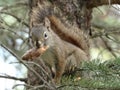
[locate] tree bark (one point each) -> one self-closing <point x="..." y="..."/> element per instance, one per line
<point x="95" y="3"/>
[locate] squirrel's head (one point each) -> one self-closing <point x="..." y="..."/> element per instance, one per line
<point x="41" y="35"/>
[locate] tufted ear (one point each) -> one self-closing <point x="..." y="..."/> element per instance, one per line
<point x="47" y="22"/>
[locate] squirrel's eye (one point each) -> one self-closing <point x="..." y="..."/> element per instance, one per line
<point x="45" y="35"/>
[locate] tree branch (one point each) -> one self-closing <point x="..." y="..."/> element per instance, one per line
<point x="95" y="3"/>
<point x="19" y="4"/>
<point x="30" y="86"/>
<point x="14" y="78"/>
<point x="46" y="73"/>
<point x="18" y="19"/>
<point x="108" y="47"/>
<point x="104" y="31"/>
<point x="26" y="85"/>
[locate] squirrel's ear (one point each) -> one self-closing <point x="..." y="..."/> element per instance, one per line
<point x="47" y="22"/>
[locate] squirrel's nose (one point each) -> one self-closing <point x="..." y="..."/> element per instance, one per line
<point x="38" y="44"/>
